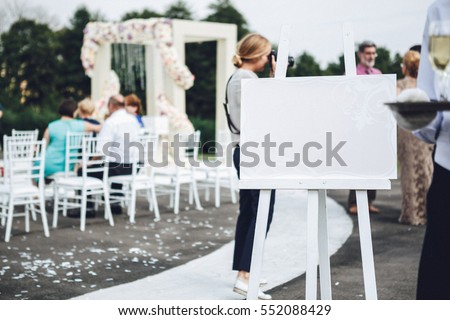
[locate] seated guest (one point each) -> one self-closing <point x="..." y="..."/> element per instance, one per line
<point x="85" y="111"/>
<point x="134" y="106"/>
<point x="119" y="132"/>
<point x="56" y="132"/>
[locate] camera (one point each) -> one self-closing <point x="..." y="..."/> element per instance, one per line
<point x="274" y="54"/>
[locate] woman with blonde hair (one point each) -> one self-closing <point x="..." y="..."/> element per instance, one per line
<point x="416" y="164"/>
<point x="253" y="53"/>
<point x="85" y="111"/>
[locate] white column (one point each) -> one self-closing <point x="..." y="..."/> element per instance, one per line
<point x="102" y="68"/>
<point x="154" y="78"/>
<point x="176" y="94"/>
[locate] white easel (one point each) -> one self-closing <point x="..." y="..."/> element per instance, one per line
<point x="317" y="232"/>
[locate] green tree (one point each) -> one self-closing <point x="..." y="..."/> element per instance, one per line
<point x="28" y="62"/>
<point x="224" y="11"/>
<point x="335" y="68"/>
<point x="72" y="80"/>
<point x="388" y="64"/>
<point x="146" y="14"/>
<point x="305" y="65"/>
<point x="179" y="10"/>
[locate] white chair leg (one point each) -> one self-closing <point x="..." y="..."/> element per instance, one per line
<point x="155" y="205"/>
<point x="198" y="206"/>
<point x="44" y="215"/>
<point x="132" y="205"/>
<point x="55" y="208"/>
<point x="83" y="209"/>
<point x="9" y="219"/>
<point x="96" y="202"/>
<point x="232" y="190"/>
<point x="176" y="208"/>
<point x="191" y="196"/>
<point x="64" y="210"/>
<point x="149" y="199"/>
<point x="108" y="206"/>
<point x="206" y="191"/>
<point x="172" y="199"/>
<point x="217" y="191"/>
<point x="27" y="214"/>
<point x="33" y="212"/>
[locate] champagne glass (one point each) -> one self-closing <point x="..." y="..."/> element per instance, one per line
<point x="439" y="53"/>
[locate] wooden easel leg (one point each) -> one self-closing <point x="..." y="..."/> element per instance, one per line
<point x="258" y="244"/>
<point x="365" y="236"/>
<point x="324" y="260"/>
<point x="312" y="250"/>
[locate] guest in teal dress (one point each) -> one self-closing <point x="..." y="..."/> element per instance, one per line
<point x="56" y="132"/>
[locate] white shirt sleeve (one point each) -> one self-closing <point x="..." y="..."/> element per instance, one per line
<point x="105" y="135"/>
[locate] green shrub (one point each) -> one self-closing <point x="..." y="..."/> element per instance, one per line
<point x="29" y="119"/>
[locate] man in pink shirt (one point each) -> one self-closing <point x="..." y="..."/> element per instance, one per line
<point x="367" y="52"/>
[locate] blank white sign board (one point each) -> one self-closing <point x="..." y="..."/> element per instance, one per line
<point x="333" y="127"/>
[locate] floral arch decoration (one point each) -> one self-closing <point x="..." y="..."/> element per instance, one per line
<point x="136" y="31"/>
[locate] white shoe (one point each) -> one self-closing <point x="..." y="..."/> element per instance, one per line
<point x="263" y="282"/>
<point x="241" y="287"/>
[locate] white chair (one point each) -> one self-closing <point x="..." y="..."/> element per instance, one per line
<point x="22" y="147"/>
<point x="72" y="161"/>
<point x="85" y="186"/>
<point x="168" y="180"/>
<point x="24" y="182"/>
<point x="73" y="154"/>
<point x="219" y="176"/>
<point x="139" y="179"/>
<point x="31" y="135"/>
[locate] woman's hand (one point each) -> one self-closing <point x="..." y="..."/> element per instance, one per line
<point x="46" y="137"/>
<point x="89" y="127"/>
<point x="273" y="66"/>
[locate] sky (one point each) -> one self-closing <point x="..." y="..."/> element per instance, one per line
<point x="316" y="25"/>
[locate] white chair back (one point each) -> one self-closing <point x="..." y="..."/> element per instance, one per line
<point x="74" y="151"/>
<point x="188" y="148"/>
<point x="27" y="134"/>
<point x="92" y="159"/>
<point x="24" y="162"/>
<point x="147" y="153"/>
<point x="20" y="149"/>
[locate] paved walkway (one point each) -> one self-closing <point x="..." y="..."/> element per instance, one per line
<point x="75" y="264"/>
<point x="210" y="277"/>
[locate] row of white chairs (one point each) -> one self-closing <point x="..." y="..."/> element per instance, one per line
<point x="72" y="191"/>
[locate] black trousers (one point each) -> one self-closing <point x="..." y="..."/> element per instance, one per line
<point x="371" y="195"/>
<point x="246" y="222"/>
<point x="434" y="268"/>
<point x="114" y="169"/>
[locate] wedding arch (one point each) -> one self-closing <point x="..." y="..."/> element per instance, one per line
<point x="164" y="40"/>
